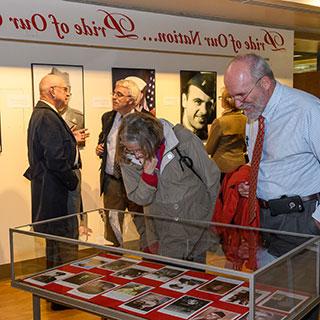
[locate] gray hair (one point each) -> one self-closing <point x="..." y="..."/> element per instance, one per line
<point x="257" y="65"/>
<point x="140" y="128"/>
<point x="134" y="90"/>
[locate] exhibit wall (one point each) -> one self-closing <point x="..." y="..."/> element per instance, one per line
<point x="98" y="39"/>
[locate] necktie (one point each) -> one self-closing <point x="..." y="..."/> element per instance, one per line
<point x="256" y="157"/>
<point x="116" y="170"/>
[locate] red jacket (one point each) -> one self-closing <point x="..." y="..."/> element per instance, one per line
<point x="240" y="246"/>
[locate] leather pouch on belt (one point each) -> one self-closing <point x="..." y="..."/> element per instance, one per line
<point x="285" y="205"/>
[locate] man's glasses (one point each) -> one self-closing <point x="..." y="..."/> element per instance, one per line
<point x="243" y="98"/>
<point x="120" y="95"/>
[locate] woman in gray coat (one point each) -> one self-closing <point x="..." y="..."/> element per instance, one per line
<point x="166" y="169"/>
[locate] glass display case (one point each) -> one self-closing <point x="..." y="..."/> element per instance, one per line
<point x="165" y="268"/>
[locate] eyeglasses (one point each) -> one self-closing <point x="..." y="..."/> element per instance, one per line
<point x="243" y="98"/>
<point x="120" y="95"/>
<point x="135" y="152"/>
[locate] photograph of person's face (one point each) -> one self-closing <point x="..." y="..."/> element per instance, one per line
<point x="197" y="106"/>
<point x="198" y="101"/>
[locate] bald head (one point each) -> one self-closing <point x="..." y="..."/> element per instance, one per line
<point x="54" y="90"/>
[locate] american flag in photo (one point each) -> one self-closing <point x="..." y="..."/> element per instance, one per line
<point x="150" y="93"/>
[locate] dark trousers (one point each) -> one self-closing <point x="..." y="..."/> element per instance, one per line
<point x="299" y="222"/>
<point x="115" y="197"/>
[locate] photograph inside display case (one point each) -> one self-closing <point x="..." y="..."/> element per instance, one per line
<point x="73" y="111"/>
<point x="198" y="101"/>
<point x="153" y="290"/>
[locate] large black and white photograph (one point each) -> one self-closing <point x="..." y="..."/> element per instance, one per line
<point x="146" y="303"/>
<point x="212" y="313"/>
<point x="165" y="274"/>
<point x="128" y="291"/>
<point x="79" y="279"/>
<point x="73" y="110"/>
<point x="185" y="307"/>
<point x="48" y="277"/>
<point x="220" y="286"/>
<point x="92" y="289"/>
<point x="144" y="79"/>
<point x="283" y="301"/>
<point x="183" y="284"/>
<point x="198" y="101"/>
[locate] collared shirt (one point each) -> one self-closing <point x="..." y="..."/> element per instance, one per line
<point x="111" y="143"/>
<point x="291" y="151"/>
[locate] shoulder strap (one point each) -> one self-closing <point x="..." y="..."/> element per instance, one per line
<point x="187" y="161"/>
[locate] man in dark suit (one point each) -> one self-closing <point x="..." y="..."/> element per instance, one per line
<point x="54" y="162"/>
<point x="125" y="97"/>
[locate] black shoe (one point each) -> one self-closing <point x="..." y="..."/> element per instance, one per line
<point x="58" y="307"/>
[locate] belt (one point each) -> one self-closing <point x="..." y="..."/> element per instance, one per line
<point x="265" y="204"/>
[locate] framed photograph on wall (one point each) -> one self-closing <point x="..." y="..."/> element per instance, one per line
<point x="198" y="100"/>
<point x="73" y="112"/>
<point x="145" y="80"/>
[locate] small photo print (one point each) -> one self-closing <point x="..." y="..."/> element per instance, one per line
<point x="212" y="313"/>
<point x="261" y="314"/>
<point x="127" y="292"/>
<point x="183" y="284"/>
<point x="220" y="286"/>
<point x="48" y="277"/>
<point x="132" y="272"/>
<point x="146" y="303"/>
<point x="119" y="264"/>
<point x="94" y="262"/>
<point x="185" y="307"/>
<point x="240" y="296"/>
<point x="165" y="274"/>
<point x="283" y="301"/>
<point x="79" y="279"/>
<point x="92" y="289"/>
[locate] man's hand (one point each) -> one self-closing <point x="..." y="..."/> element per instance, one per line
<point x="100" y="149"/>
<point x="243" y="189"/>
<point x="81" y="135"/>
<point x="150" y="165"/>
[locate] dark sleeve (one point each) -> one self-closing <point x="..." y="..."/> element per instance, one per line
<point x="58" y="150"/>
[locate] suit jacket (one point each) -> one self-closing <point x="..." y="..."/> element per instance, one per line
<point x="51" y="153"/>
<point x="107" y="122"/>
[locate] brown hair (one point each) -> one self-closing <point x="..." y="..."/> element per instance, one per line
<point x="140" y="128"/>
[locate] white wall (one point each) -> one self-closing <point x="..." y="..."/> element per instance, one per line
<point x="16" y="107"/>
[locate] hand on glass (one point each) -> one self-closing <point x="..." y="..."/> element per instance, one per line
<point x="150" y="165"/>
<point x="85" y="231"/>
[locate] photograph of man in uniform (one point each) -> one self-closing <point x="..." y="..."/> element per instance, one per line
<point x="73" y="109"/>
<point x="198" y="101"/>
